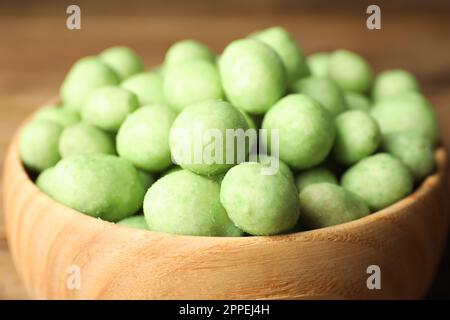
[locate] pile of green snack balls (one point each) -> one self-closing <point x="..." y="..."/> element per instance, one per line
<point x="350" y="142"/>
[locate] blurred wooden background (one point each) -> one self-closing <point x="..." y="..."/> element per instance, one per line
<point x="36" y="51"/>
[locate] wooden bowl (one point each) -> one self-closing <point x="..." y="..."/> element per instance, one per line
<point x="54" y="246"/>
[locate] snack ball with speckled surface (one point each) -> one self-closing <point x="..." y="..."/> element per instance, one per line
<point x="191" y="150"/>
<point x="357" y="136"/>
<point x="99" y="185"/>
<point x="123" y="60"/>
<point x="38" y="146"/>
<point x="325" y="91"/>
<point x="147" y="86"/>
<point x="406" y="112"/>
<point x="137" y="222"/>
<point x="357" y="101"/>
<point x="85" y="138"/>
<point x="276" y="164"/>
<point x="186" y="203"/>
<point x="325" y="204"/>
<point x="318" y="64"/>
<point x="306" y="130"/>
<point x="191" y="82"/>
<point x="393" y="82"/>
<point x="291" y="55"/>
<point x="85" y="76"/>
<point x="61" y="116"/>
<point x="414" y="150"/>
<point x="257" y="203"/>
<point x="143" y="139"/>
<point x="350" y="71"/>
<point x="380" y="180"/>
<point x="188" y="50"/>
<point x="313" y="176"/>
<point x="44" y="180"/>
<point x="253" y="75"/>
<point x="108" y="107"/>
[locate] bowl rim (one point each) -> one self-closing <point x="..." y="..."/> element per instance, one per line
<point x="429" y="183"/>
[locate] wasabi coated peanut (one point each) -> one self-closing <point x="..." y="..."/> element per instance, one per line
<point x="137" y="222"/>
<point x="108" y="107"/>
<point x="85" y="138"/>
<point x="314" y="176"/>
<point x="99" y="185"/>
<point x="61" y="116"/>
<point x="171" y="170"/>
<point x="350" y="71"/>
<point x="147" y="86"/>
<point x="306" y="130"/>
<point x="357" y="136"/>
<point x="325" y="204"/>
<point x="325" y="91"/>
<point x="393" y="82"/>
<point x="406" y="112"/>
<point x="357" y="101"/>
<point x="124" y="61"/>
<point x="259" y="204"/>
<point x="86" y="75"/>
<point x="189" y="147"/>
<point x="414" y="150"/>
<point x="186" y="203"/>
<point x="191" y="82"/>
<point x="44" y="180"/>
<point x="143" y="138"/>
<point x="253" y="75"/>
<point x="187" y="50"/>
<point x="38" y="147"/>
<point x="380" y="180"/>
<point x="292" y="57"/>
<point x="318" y="64"/>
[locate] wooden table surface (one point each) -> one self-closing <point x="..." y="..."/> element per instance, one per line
<point x="36" y="50"/>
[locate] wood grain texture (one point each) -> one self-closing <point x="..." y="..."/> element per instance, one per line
<point x="46" y="238"/>
<point x="36" y="51"/>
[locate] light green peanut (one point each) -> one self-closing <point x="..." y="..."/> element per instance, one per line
<point x="147" y="86"/>
<point x="314" y="176"/>
<point x="61" y="116"/>
<point x="253" y="75"/>
<point x="393" y="82"/>
<point x="137" y="222"/>
<point x="318" y="64"/>
<point x="187" y="50"/>
<point x="357" y="101"/>
<point x="123" y="60"/>
<point x="259" y="204"/>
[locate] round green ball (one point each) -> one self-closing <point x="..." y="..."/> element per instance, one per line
<point x="137" y="222"/>
<point x="193" y="124"/>
<point x="393" y="82"/>
<point x="406" y="112"/>
<point x="38" y="146"/>
<point x="357" y="136"/>
<point x="147" y="86"/>
<point x="314" y="176"/>
<point x="414" y="150"/>
<point x="98" y="185"/>
<point x="326" y="204"/>
<point x="357" y="101"/>
<point x="306" y="130"/>
<point x="350" y="71"/>
<point x="108" y="107"/>
<point x="325" y="91"/>
<point x="143" y="138"/>
<point x="259" y="204"/>
<point x="44" y="180"/>
<point x="380" y="180"/>
<point x="61" y="116"/>
<point x="318" y="64"/>
<point x="191" y="82"/>
<point x="268" y="160"/>
<point x="186" y="203"/>
<point x="123" y="60"/>
<point x="291" y="55"/>
<point x="85" y="76"/>
<point x="188" y="50"/>
<point x="253" y="75"/>
<point x="85" y="138"/>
